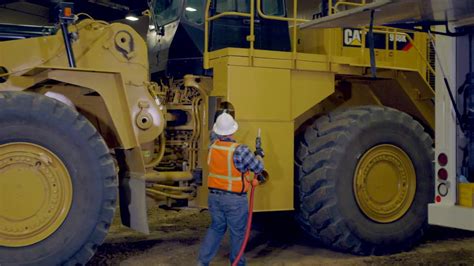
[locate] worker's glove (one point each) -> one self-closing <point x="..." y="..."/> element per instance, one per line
<point x="262" y="177"/>
<point x="259" y="152"/>
<point x="255" y="182"/>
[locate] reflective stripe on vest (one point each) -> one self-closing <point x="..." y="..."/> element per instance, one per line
<point x="222" y="172"/>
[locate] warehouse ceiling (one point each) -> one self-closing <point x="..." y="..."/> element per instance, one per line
<point x="40" y="12"/>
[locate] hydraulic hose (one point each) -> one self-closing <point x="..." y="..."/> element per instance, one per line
<point x="161" y="152"/>
<point x="247" y="231"/>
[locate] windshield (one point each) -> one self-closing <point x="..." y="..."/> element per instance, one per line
<point x="194" y="11"/>
<point x="274" y="7"/>
<point x="166" y="11"/>
<point x="269" y="7"/>
<point x="232" y="5"/>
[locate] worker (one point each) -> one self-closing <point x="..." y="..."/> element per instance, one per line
<point x="229" y="164"/>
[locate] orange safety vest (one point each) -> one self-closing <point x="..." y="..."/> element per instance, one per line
<point x="222" y="172"/>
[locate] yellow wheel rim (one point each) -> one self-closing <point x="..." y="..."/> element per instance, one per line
<point x="35" y="194"/>
<point x="385" y="183"/>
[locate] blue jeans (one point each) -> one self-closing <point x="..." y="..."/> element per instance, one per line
<point x="227" y="211"/>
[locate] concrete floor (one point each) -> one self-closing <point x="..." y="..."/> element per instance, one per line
<point x="176" y="236"/>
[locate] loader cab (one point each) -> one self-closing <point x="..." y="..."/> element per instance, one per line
<point x="176" y="35"/>
<point x="231" y="31"/>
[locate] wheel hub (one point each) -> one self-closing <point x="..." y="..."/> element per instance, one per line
<point x="35" y="194"/>
<point x="385" y="183"/>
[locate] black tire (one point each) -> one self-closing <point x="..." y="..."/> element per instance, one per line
<point x="326" y="159"/>
<point x="34" y="118"/>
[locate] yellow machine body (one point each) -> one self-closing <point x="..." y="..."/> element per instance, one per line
<point x="277" y="92"/>
<point x="272" y="90"/>
<point x="111" y="62"/>
<point x="110" y="86"/>
<point x="280" y="91"/>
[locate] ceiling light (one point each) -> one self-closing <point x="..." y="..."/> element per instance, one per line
<point x="191" y="9"/>
<point x="131" y="18"/>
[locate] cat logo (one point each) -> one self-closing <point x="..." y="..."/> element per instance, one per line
<point x="396" y="41"/>
<point x="352" y="37"/>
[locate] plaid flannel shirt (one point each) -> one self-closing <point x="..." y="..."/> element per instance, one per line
<point x="244" y="159"/>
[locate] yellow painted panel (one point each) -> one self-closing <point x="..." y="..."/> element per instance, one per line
<point x="277" y="141"/>
<point x="272" y="54"/>
<point x="309" y="88"/>
<point x="259" y="93"/>
<point x="312" y="57"/>
<point x="273" y="63"/>
<point x="238" y="61"/>
<point x="466" y="194"/>
<point x="314" y="66"/>
<point x="227" y="52"/>
<point x="345" y="60"/>
<point x="245" y="52"/>
<point x="241" y="52"/>
<point x="219" y="86"/>
<point x="315" y="41"/>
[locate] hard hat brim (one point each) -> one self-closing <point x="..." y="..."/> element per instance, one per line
<point x="227" y="132"/>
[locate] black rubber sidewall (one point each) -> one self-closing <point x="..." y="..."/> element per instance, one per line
<point x="71" y="146"/>
<point x="397" y="232"/>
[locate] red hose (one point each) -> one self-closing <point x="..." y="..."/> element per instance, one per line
<point x="247" y="231"/>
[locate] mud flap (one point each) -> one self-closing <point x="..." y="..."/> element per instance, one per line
<point x="132" y="192"/>
<point x="133" y="204"/>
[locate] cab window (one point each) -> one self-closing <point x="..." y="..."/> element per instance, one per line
<point x="193" y="11"/>
<point x="274" y="7"/>
<point x="242" y="6"/>
<point x="269" y="7"/>
<point x="166" y="11"/>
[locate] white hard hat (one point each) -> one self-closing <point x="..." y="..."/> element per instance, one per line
<point x="225" y="125"/>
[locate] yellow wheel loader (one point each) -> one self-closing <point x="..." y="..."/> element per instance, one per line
<point x="348" y="129"/>
<point x="77" y="110"/>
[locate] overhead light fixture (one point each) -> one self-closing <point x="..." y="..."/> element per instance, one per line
<point x="131" y="18"/>
<point x="191" y="9"/>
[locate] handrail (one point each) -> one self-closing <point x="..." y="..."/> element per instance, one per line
<point x="250" y="38"/>
<point x="341" y="3"/>
<point x="293" y="19"/>
<point x="427" y="63"/>
<point x="206" y="35"/>
<point x="334" y="8"/>
<point x="395" y="32"/>
<point x="223" y="14"/>
<point x="251" y="15"/>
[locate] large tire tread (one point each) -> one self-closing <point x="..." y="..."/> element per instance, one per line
<point x="322" y="143"/>
<point x="75" y="121"/>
